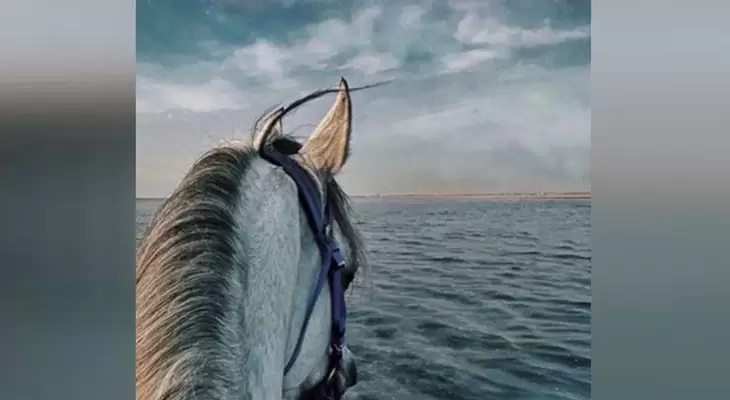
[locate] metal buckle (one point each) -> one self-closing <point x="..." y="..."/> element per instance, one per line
<point x="338" y="257"/>
<point x="331" y="375"/>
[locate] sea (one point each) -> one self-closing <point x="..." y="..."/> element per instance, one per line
<point x="469" y="299"/>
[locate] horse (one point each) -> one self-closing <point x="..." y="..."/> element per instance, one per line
<point x="226" y="267"/>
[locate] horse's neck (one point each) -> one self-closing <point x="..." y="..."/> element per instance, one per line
<point x="264" y="326"/>
<point x="269" y="252"/>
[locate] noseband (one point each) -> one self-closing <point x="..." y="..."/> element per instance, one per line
<point x="320" y="220"/>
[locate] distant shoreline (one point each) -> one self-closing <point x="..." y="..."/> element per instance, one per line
<point x="485" y="196"/>
<point x="468" y="196"/>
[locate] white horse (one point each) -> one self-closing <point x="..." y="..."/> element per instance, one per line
<point x="226" y="267"/>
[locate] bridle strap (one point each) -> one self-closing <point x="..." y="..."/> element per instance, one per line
<point x="320" y="221"/>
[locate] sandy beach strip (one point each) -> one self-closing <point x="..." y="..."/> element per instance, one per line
<point x="484" y="196"/>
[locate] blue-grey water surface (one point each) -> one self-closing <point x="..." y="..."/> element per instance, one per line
<point x="470" y="300"/>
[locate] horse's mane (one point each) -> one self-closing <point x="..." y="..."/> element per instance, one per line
<point x="186" y="259"/>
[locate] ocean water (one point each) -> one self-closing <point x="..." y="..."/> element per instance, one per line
<point x="470" y="300"/>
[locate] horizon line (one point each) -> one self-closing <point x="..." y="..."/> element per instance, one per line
<point x="568" y="194"/>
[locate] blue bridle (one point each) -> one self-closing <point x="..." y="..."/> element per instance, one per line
<point x="319" y="214"/>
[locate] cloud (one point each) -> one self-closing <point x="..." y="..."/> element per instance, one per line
<point x="533" y="134"/>
<point x="371" y="63"/>
<point x="497" y="40"/>
<point x="213" y="95"/>
<point x="467" y="60"/>
<point x="465" y="111"/>
<point x="320" y="44"/>
<point x="411" y="14"/>
<point x="475" y="30"/>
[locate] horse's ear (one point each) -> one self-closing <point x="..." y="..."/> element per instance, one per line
<point x="271" y="127"/>
<point x="329" y="146"/>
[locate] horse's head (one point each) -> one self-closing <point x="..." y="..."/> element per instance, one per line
<point x="309" y="371"/>
<point x="227" y="305"/>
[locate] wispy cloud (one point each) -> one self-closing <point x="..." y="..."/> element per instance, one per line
<point x="215" y="94"/>
<point x="466" y="60"/>
<point x="468" y="110"/>
<point x="489" y="31"/>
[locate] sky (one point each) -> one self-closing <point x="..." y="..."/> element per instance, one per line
<point x="485" y="96"/>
